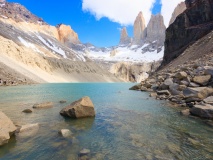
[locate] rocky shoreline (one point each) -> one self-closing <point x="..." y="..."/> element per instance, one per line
<point x="189" y="85"/>
<point x="82" y="108"/>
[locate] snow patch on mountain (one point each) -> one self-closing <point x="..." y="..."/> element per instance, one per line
<point x="133" y="53"/>
<point x="29" y="45"/>
<point x="52" y="46"/>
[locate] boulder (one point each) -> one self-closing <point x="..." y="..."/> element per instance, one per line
<point x="194" y="85"/>
<point x="43" y="105"/>
<point x="7" y="128"/>
<point x="62" y="101"/>
<point x="181" y="75"/>
<point x="79" y="109"/>
<point x="27" y="111"/>
<point x="153" y="94"/>
<point x="65" y="133"/>
<point x="168" y="82"/>
<point x="136" y="87"/>
<point x="199" y="92"/>
<point x="202" y="80"/>
<point x="147" y="85"/>
<point x="84" y="152"/>
<point x="203" y="111"/>
<point x="209" y="100"/>
<point x="163" y="92"/>
<point x="144" y="89"/>
<point x="208" y="70"/>
<point x="185" y="112"/>
<point x="28" y="130"/>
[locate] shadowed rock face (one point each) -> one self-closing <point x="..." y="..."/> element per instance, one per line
<point x="194" y="23"/>
<point x="125" y="39"/>
<point x="181" y="7"/>
<point x="156" y="29"/>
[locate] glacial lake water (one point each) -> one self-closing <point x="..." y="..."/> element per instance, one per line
<point x="129" y="125"/>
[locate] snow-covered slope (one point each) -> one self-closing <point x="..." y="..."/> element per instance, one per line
<point x="134" y="53"/>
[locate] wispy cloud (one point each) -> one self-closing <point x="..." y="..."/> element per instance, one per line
<point x="120" y="11"/>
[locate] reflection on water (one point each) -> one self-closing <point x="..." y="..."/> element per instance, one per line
<point x="128" y="126"/>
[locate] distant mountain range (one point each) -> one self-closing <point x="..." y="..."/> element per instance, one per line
<point x="60" y="48"/>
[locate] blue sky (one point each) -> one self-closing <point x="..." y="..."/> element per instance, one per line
<point x="102" y="32"/>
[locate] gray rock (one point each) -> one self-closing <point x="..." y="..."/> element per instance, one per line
<point x="163" y="92"/>
<point x="79" y="109"/>
<point x="7" y="128"/>
<point x="203" y="111"/>
<point x="27" y="111"/>
<point x="199" y="92"/>
<point x="43" y="105"/>
<point x="62" y="101"/>
<point x="168" y="82"/>
<point x="208" y="70"/>
<point x="194" y="85"/>
<point x="65" y="133"/>
<point x="209" y="100"/>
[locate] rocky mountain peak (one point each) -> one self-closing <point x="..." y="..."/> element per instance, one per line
<point x="125" y="39"/>
<point x="66" y="35"/>
<point x="18" y="13"/>
<point x="156" y="29"/>
<point x="139" y="27"/>
<point x="2" y="1"/>
<point x="181" y="7"/>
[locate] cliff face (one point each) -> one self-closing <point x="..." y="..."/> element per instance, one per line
<point x="139" y="27"/>
<point x="194" y="23"/>
<point x="156" y="29"/>
<point x="67" y="35"/>
<point x="181" y="7"/>
<point x="125" y="39"/>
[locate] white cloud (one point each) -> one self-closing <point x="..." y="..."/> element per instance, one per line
<point x="168" y="7"/>
<point x="120" y="11"/>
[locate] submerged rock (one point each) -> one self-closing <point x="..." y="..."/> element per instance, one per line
<point x="28" y="130"/>
<point x="65" y="133"/>
<point x="27" y="111"/>
<point x="84" y="152"/>
<point x="43" y="105"/>
<point x="79" y="109"/>
<point x="62" y="101"/>
<point x="7" y="128"/>
<point x="185" y="112"/>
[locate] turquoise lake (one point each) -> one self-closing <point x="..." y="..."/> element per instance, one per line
<point x="129" y="125"/>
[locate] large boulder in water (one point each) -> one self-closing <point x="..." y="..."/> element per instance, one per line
<point x="79" y="109"/>
<point x="7" y="128"/>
